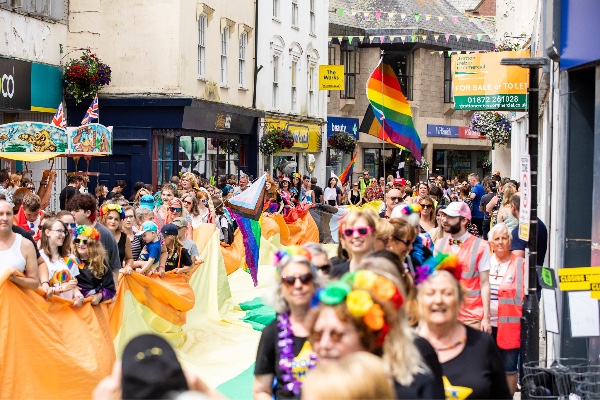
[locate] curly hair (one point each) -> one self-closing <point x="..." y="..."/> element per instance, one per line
<point x="96" y="257"/>
<point x="190" y="177"/>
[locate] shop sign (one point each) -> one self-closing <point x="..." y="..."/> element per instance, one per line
<point x="479" y="82"/>
<point x="338" y="124"/>
<point x="204" y="116"/>
<point x="581" y="278"/>
<point x="331" y="77"/>
<point x="450" y="131"/>
<point x="15" y="84"/>
<point x="307" y="137"/>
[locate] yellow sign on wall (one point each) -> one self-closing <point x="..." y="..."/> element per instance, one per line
<point x="479" y="82"/>
<point x="307" y="137"/>
<point x="331" y="77"/>
<point x="582" y="278"/>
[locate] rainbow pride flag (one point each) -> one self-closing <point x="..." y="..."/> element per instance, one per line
<point x="347" y="172"/>
<point x="392" y="110"/>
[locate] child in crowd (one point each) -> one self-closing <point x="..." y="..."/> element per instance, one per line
<point x="150" y="255"/>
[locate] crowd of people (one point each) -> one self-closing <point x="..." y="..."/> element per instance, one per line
<point x="379" y="311"/>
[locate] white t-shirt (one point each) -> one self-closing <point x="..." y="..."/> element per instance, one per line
<point x="330" y="194"/>
<point x="497" y="272"/>
<point x="55" y="275"/>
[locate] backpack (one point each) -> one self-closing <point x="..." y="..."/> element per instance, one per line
<point x="226" y="229"/>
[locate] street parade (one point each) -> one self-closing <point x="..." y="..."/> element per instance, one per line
<point x="299" y="199"/>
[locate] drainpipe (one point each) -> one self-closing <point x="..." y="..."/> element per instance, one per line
<point x="255" y="53"/>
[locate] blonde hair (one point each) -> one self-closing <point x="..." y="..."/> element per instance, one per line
<point x="356" y="376"/>
<point x="191" y="178"/>
<point x="369" y="215"/>
<point x="383" y="229"/>
<point x="508" y="191"/>
<point x="432" y="208"/>
<point x="96" y="256"/>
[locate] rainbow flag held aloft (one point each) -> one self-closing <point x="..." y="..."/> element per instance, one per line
<point x="392" y="110"/>
<point x="347" y="172"/>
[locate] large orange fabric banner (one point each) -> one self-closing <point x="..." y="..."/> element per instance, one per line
<point x="50" y="349"/>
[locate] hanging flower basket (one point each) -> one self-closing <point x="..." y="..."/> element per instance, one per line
<point x="342" y="141"/>
<point x="84" y="76"/>
<point x="423" y="164"/>
<point x="486" y="162"/>
<point x="506" y="46"/>
<point x="274" y="140"/>
<point x="493" y="125"/>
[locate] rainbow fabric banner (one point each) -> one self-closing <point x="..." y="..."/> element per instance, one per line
<point x="392" y="110"/>
<point x="347" y="172"/>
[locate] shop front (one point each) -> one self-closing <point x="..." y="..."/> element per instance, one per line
<point x="304" y="156"/>
<point x="457" y="152"/>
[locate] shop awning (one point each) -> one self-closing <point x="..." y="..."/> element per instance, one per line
<point x="30" y="157"/>
<point x="219" y="118"/>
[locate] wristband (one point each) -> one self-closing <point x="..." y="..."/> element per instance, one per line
<point x="46" y="282"/>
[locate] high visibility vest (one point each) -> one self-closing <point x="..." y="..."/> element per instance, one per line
<point x="362" y="186"/>
<point x="510" y="305"/>
<point x="469" y="256"/>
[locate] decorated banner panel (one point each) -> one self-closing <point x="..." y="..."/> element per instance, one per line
<point x="307" y="137"/>
<point x="92" y="139"/>
<point x="331" y="77"/>
<point x="32" y="141"/>
<point x="479" y="82"/>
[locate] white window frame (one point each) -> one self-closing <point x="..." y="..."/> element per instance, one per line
<point x="242" y="59"/>
<point x="275" y="8"/>
<point x="313" y="23"/>
<point x="294" y="85"/>
<point x="202" y="29"/>
<point x="224" y="51"/>
<point x="295" y="13"/>
<point x="311" y="88"/>
<point x="275" y="94"/>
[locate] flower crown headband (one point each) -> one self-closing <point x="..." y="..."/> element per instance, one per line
<point x="296" y="175"/>
<point x="291" y="251"/>
<point x="83" y="230"/>
<point x="356" y="288"/>
<point x="441" y="261"/>
<point x="411" y="209"/>
<point x="112" y="207"/>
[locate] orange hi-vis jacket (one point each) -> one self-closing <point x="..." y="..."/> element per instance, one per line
<point x="469" y="256"/>
<point x="510" y="305"/>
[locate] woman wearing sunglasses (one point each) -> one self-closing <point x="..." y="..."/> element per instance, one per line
<point x="129" y="227"/>
<point x="355" y="197"/>
<point x="284" y="351"/>
<point x="95" y="280"/>
<point x="112" y="216"/>
<point x="176" y="210"/>
<point x="363" y="312"/>
<point x="62" y="270"/>
<point x="191" y="206"/>
<point x="358" y="237"/>
<point x="206" y="216"/>
<point x="427" y="222"/>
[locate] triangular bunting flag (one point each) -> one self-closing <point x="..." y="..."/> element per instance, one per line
<point x="441" y="18"/>
<point x="491" y="35"/>
<point x="361" y="38"/>
<point x="479" y="35"/>
<point x="329" y="39"/>
<point x="427" y="17"/>
<point x="378" y="15"/>
<point x="424" y="37"/>
<point x="469" y="36"/>
<point x="447" y="36"/>
<point x="449" y="53"/>
<point x="403" y="38"/>
<point x="417" y="16"/>
<point x="440" y="53"/>
<point x="402" y="16"/>
<point x="392" y="38"/>
<point x="372" y="38"/>
<point x="454" y="19"/>
<point x="391" y="15"/>
<point x="471" y="19"/>
<point x="432" y="52"/>
<point x="340" y="12"/>
<point x="353" y="13"/>
<point x="413" y="38"/>
<point x="366" y="14"/>
<point x="458" y="36"/>
<point x="436" y="37"/>
<point x="350" y="39"/>
<point x="381" y="39"/>
<point x="340" y="38"/>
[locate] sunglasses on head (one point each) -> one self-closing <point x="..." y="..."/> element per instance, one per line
<point x="80" y="241"/>
<point x="362" y="231"/>
<point x="305" y="279"/>
<point x="175" y="209"/>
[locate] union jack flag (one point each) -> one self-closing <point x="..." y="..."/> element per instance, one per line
<point x="59" y="118"/>
<point x="92" y="112"/>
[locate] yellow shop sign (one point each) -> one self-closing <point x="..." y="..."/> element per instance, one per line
<point x="307" y="137"/>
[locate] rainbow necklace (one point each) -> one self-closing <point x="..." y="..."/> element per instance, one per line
<point x="455" y="345"/>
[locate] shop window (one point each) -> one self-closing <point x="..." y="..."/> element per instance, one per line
<point x="224" y="51"/>
<point x="200" y="154"/>
<point x="403" y="67"/>
<point x="311" y="90"/>
<point x="242" y="59"/>
<point x="448" y="92"/>
<point x="349" y="58"/>
<point x="294" y="87"/>
<point x="202" y="46"/>
<point x="164" y="162"/>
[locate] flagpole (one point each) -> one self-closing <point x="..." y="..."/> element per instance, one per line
<point x="383" y="122"/>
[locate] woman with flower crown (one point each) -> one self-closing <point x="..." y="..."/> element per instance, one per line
<point x="363" y="312"/>
<point x="112" y="216"/>
<point x="284" y="351"/>
<point x="95" y="279"/>
<point x="63" y="268"/>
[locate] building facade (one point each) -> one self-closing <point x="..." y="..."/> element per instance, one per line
<point x="33" y="44"/>
<point x="181" y="96"/>
<point x="417" y="51"/>
<point x="292" y="39"/>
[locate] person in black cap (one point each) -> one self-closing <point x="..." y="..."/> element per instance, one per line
<point x="149" y="369"/>
<point x="178" y="258"/>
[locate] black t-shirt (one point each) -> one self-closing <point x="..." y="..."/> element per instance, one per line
<point x="26" y="235"/>
<point x="65" y="195"/>
<point x="318" y="193"/>
<point x="484" y="202"/>
<point x="87" y="281"/>
<point x="184" y="261"/>
<point x="267" y="359"/>
<point x="478" y="371"/>
<point x="424" y="386"/>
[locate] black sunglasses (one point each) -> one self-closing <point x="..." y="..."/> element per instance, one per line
<point x="406" y="242"/>
<point x="324" y="268"/>
<point x="305" y="279"/>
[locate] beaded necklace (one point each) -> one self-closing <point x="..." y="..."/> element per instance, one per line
<point x="285" y="343"/>
<point x="461" y="341"/>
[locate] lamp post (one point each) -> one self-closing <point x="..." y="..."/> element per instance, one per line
<point x="530" y="341"/>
